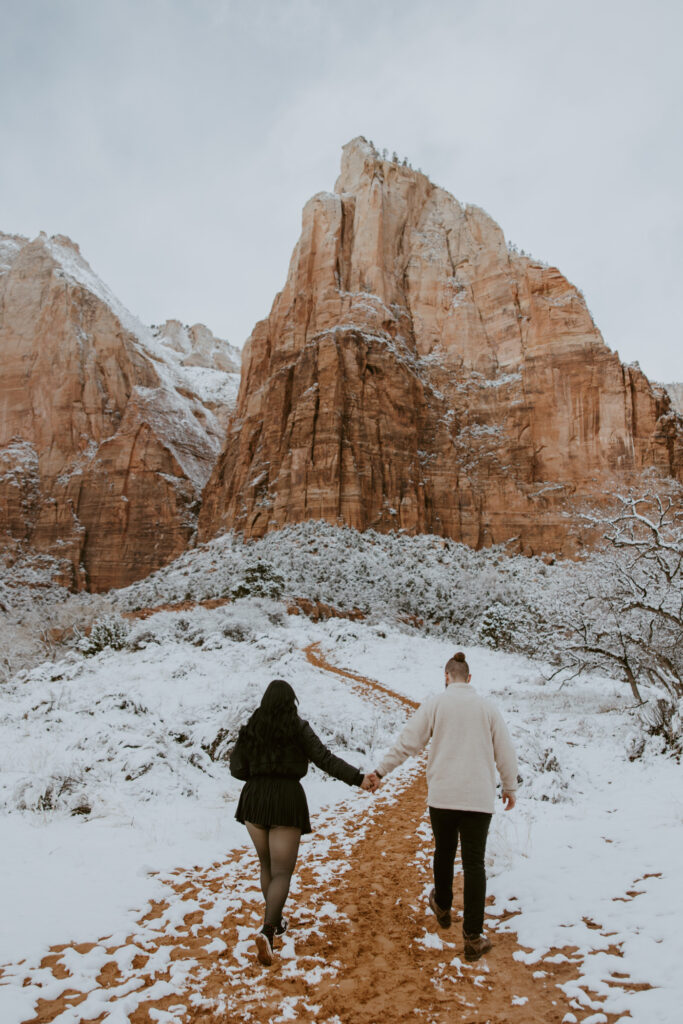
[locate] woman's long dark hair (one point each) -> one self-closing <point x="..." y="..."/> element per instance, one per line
<point x="275" y="719"/>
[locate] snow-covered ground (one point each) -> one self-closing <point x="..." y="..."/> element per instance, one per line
<point x="106" y="769"/>
<point x="595" y="838"/>
<point x="111" y="772"/>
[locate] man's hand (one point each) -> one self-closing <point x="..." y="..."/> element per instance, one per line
<point x="371" y="782"/>
<point x="509" y="801"/>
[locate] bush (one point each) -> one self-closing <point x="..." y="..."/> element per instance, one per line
<point x="220" y="747"/>
<point x="142" y="638"/>
<point x="62" y="792"/>
<point x="111" y="631"/>
<point x="189" y="630"/>
<point x="259" y="580"/>
<point x="635" y="746"/>
<point x="664" y="718"/>
<point x="513" y="627"/>
<point x="497" y="627"/>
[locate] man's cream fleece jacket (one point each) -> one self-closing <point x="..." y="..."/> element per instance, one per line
<point x="469" y="740"/>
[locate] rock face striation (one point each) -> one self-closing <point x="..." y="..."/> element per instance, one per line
<point x="106" y="439"/>
<point x="417" y="373"/>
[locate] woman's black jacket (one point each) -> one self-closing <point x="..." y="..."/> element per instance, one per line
<point x="289" y="758"/>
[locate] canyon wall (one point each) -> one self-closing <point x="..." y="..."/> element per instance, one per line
<point x="416" y="373"/>
<point x="106" y="439"/>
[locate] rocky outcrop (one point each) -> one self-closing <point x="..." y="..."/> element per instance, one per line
<point x="675" y="392"/>
<point x="211" y="364"/>
<point x="416" y="373"/>
<point x="105" y="439"/>
<point x="198" y="346"/>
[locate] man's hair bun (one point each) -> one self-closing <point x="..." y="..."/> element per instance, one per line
<point x="457" y="667"/>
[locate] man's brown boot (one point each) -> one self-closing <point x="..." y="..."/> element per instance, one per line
<point x="442" y="916"/>
<point x="476" y="946"/>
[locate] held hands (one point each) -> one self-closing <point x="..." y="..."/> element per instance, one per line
<point x="509" y="801"/>
<point x="371" y="782"/>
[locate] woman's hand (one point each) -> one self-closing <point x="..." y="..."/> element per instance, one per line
<point x="509" y="801"/>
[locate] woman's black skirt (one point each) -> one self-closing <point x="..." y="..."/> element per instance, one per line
<point x="270" y="800"/>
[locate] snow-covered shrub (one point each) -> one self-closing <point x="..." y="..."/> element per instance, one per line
<point x="189" y="629"/>
<point x="110" y="631"/>
<point x="363" y="736"/>
<point x="243" y="621"/>
<point x="635" y="745"/>
<point x="663" y="718"/>
<point x="548" y="761"/>
<point x="659" y="728"/>
<point x="517" y="626"/>
<point x="258" y="580"/>
<point x="261" y="610"/>
<point x="141" y="636"/>
<point x="541" y="774"/>
<point x="237" y="631"/>
<point x="497" y="627"/>
<point x="58" y="793"/>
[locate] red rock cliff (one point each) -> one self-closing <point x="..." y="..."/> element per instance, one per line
<point x="105" y="444"/>
<point x="415" y="373"/>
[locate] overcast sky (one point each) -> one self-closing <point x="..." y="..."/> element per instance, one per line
<point x="177" y="140"/>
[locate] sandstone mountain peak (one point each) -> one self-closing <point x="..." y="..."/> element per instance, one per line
<point x="63" y="242"/>
<point x="414" y="373"/>
<point x="106" y="439"/>
<point x="417" y="373"/>
<point x="361" y="160"/>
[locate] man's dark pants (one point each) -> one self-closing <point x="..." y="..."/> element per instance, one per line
<point x="472" y="827"/>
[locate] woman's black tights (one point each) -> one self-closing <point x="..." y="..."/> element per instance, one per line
<point x="277" y="848"/>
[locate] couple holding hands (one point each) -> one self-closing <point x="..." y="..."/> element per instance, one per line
<point x="467" y="740"/>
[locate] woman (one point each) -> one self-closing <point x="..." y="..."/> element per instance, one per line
<point x="271" y="754"/>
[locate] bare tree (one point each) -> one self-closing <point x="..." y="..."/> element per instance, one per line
<point x="628" y="613"/>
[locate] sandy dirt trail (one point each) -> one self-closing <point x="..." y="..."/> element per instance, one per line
<point x="361" y="947"/>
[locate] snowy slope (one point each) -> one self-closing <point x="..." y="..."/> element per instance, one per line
<point x="119" y="745"/>
<point x="74" y="268"/>
<point x="106" y="774"/>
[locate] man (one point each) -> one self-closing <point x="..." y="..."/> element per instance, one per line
<point x="468" y="741"/>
